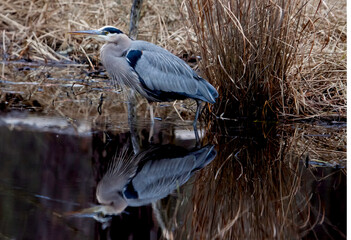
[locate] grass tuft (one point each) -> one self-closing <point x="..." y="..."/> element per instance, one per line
<point x="257" y="54"/>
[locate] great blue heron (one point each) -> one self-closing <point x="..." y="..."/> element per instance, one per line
<point x="154" y="72"/>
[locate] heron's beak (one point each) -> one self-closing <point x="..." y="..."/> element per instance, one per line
<point x="87" y="32"/>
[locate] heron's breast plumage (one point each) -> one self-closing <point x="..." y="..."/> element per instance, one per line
<point x="119" y="69"/>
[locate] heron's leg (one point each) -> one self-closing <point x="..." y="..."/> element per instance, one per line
<point x="100" y="104"/>
<point x="152" y="120"/>
<point x="132" y="120"/>
<point x="198" y="110"/>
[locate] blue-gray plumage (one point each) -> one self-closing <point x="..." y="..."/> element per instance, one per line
<point x="152" y="71"/>
<point x="166" y="77"/>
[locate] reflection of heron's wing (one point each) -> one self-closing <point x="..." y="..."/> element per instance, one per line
<point x="157" y="178"/>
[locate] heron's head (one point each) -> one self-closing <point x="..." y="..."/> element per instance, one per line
<point x="109" y="191"/>
<point x="109" y="195"/>
<point x="106" y="34"/>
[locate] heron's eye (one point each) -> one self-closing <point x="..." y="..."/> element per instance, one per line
<point x="105" y="32"/>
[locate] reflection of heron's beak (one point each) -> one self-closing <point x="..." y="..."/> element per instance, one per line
<point x="86" y="212"/>
<point x="87" y="32"/>
<point x="94" y="211"/>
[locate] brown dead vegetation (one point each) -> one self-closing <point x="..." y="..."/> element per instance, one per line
<point x="273" y="59"/>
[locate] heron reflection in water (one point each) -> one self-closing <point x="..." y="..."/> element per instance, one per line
<point x="146" y="177"/>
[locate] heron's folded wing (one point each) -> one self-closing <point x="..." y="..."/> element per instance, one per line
<point x="163" y="71"/>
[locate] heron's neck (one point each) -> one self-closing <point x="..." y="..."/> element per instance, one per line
<point x="117" y="46"/>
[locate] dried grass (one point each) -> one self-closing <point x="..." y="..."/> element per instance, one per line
<point x="320" y="145"/>
<point x="317" y="82"/>
<point x="37" y="30"/>
<point x="272" y="58"/>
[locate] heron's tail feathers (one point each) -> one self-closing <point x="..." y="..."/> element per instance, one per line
<point x="207" y="92"/>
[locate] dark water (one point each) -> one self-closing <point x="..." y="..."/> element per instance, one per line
<point x="65" y="182"/>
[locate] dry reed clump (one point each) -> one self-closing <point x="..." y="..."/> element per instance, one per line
<point x="268" y="57"/>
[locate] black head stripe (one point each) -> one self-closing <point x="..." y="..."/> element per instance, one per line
<point x="112" y="30"/>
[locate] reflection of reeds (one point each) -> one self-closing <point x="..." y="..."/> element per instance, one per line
<point x="254" y="197"/>
<point x="257" y="188"/>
